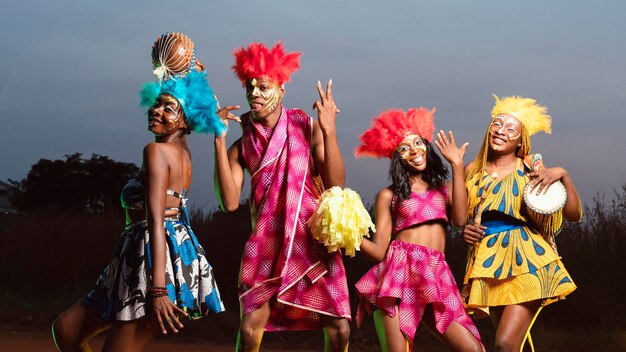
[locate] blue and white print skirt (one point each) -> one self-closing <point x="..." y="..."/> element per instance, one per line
<point x="122" y="290"/>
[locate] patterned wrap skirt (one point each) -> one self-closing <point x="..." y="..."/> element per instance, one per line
<point x="513" y="264"/>
<point x="410" y="277"/>
<point x="122" y="290"/>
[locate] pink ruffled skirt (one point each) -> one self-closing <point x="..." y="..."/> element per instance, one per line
<point x="410" y="277"/>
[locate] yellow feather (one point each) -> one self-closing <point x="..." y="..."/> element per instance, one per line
<point x="533" y="116"/>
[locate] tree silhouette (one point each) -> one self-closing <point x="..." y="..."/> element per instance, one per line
<point x="73" y="183"/>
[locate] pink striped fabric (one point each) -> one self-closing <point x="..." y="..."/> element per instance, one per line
<point x="412" y="276"/>
<point x="280" y="258"/>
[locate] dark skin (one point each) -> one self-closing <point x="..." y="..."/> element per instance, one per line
<point x="431" y="235"/>
<point x="512" y="321"/>
<point x="265" y="98"/>
<point x="166" y="165"/>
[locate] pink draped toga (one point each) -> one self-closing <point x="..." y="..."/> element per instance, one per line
<point x="280" y="258"/>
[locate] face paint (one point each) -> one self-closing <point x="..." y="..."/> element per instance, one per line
<point x="165" y="115"/>
<point x="263" y="95"/>
<point x="409" y="144"/>
<point x="506" y="125"/>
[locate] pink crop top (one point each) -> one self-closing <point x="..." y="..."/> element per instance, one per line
<point x="419" y="208"/>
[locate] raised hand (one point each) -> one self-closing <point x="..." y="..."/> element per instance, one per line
<point x="542" y="179"/>
<point x="326" y="108"/>
<point x="448" y="148"/>
<point x="225" y="114"/>
<point x="163" y="310"/>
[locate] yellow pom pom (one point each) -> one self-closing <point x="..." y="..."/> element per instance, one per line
<point x="340" y="221"/>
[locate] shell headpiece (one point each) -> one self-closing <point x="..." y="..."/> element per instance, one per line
<point x="173" y="54"/>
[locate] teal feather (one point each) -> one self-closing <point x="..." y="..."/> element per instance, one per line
<point x="195" y="96"/>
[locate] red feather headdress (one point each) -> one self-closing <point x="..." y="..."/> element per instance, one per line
<point x="390" y="128"/>
<point x="258" y="61"/>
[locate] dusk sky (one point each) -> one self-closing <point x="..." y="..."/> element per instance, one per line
<point x="70" y="72"/>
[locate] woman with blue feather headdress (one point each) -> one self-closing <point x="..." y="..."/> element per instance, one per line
<point x="158" y="272"/>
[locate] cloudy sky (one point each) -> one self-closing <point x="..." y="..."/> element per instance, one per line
<point x="70" y="72"/>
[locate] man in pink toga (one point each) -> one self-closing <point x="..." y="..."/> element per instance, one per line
<point x="287" y="281"/>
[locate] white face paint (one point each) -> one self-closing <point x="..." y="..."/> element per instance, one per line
<point x="412" y="152"/>
<point x="409" y="144"/>
<point x="506" y="125"/>
<point x="165" y="116"/>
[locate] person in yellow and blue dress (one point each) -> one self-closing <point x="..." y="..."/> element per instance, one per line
<point x="513" y="269"/>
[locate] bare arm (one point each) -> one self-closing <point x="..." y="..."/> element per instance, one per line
<point x="325" y="147"/>
<point x="229" y="174"/>
<point x="458" y="195"/>
<point x="157" y="177"/>
<point x="377" y="248"/>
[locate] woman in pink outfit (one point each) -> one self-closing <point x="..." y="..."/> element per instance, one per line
<point x="412" y="282"/>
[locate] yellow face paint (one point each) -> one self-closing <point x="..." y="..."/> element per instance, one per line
<point x="263" y="91"/>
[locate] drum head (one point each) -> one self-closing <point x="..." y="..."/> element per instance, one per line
<point x="549" y="201"/>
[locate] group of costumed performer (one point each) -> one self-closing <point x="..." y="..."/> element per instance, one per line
<point x="513" y="269"/>
<point x="412" y="281"/>
<point x="158" y="271"/>
<point x="288" y="281"/>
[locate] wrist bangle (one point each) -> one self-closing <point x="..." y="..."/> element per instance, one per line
<point x="458" y="230"/>
<point x="158" y="294"/>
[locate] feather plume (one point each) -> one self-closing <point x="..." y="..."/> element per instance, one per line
<point x="258" y="61"/>
<point x="533" y="116"/>
<point x="389" y="129"/>
<point x="195" y="96"/>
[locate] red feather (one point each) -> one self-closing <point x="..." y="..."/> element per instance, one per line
<point x="389" y="129"/>
<point x="258" y="61"/>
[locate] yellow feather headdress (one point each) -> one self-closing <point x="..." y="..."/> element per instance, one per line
<point x="533" y="116"/>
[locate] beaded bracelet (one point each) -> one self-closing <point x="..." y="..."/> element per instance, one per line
<point x="158" y="294"/>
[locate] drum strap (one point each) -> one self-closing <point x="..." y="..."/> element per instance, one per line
<point x="527" y="338"/>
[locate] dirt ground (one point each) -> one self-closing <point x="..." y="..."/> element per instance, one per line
<point x="14" y="341"/>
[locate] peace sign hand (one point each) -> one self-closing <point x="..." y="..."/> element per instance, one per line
<point x="326" y="108"/>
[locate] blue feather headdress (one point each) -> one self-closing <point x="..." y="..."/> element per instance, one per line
<point x="194" y="95"/>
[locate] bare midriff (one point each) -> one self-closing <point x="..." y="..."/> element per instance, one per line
<point x="431" y="235"/>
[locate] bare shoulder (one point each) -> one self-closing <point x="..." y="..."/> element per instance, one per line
<point x="153" y="149"/>
<point x="384" y="195"/>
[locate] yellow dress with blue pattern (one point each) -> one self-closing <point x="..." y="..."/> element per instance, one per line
<point x="513" y="263"/>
